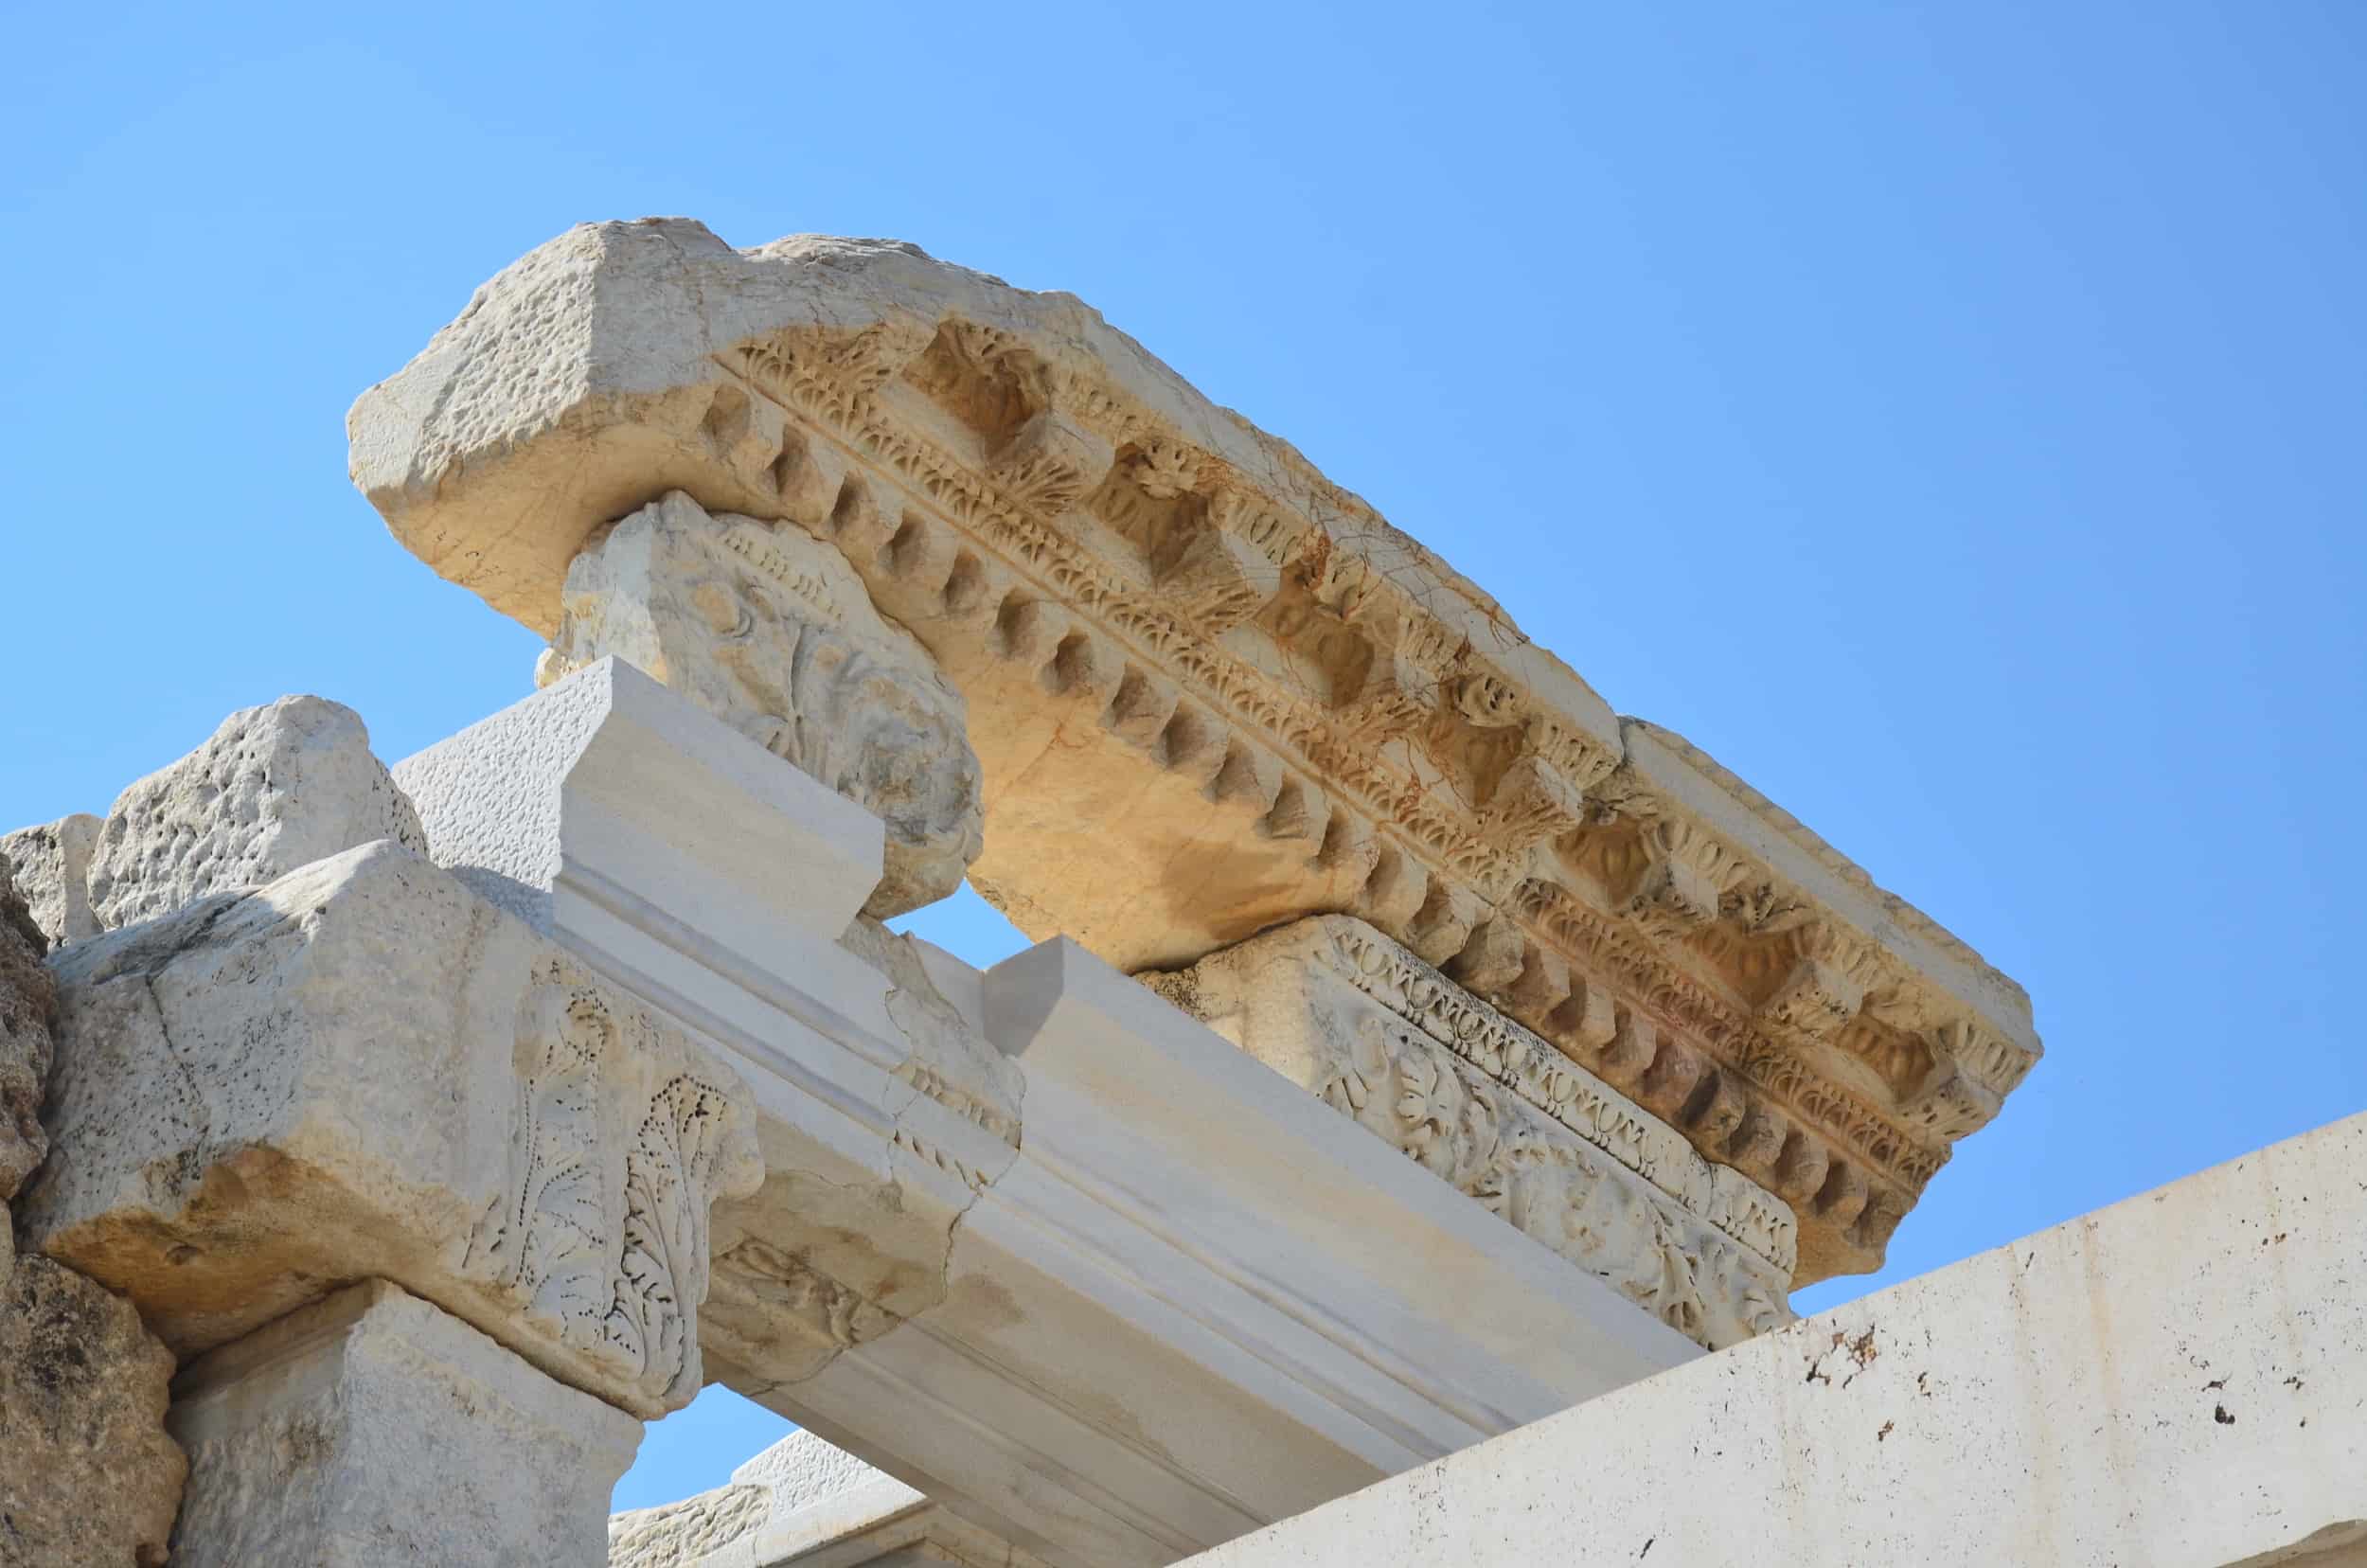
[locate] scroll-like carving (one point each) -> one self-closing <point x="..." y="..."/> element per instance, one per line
<point x="1503" y="1116"/>
<point x="618" y="1143"/>
<point x="774" y="634"/>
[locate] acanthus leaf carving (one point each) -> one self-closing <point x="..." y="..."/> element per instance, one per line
<point x="621" y="1136"/>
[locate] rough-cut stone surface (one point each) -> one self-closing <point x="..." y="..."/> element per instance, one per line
<point x="677" y="1534"/>
<point x="275" y="788"/>
<point x="1503" y="1116"/>
<point x="371" y="1429"/>
<point x="27" y="998"/>
<point x="771" y="632"/>
<point x="87" y="1473"/>
<point x="363" y="1069"/>
<point x="1265" y="701"/>
<point x="53" y="863"/>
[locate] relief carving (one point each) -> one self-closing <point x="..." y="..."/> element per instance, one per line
<point x="774" y="635"/>
<point x="1297" y="707"/>
<point x="619" y="1141"/>
<point x="1503" y="1118"/>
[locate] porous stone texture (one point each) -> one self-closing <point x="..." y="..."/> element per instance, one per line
<point x="53" y="863"/>
<point x="1167" y="623"/>
<point x="1499" y="1113"/>
<point x="2172" y="1381"/>
<point x="87" y="1473"/>
<point x="372" y="1428"/>
<point x="363" y="1069"/>
<point x="28" y="999"/>
<point x="275" y="787"/>
<point x="771" y="632"/>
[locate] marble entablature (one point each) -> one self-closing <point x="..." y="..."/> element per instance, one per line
<point x="1209" y="691"/>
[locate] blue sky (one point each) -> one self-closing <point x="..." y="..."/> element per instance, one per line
<point x="1947" y="416"/>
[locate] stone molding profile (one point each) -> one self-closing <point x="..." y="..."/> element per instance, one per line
<point x="771" y="632"/>
<point x="1161" y="617"/>
<point x="1032" y="1240"/>
<point x="1503" y="1118"/>
<point x="362" y="1069"/>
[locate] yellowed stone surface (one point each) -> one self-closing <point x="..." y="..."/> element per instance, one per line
<point x="1210" y="689"/>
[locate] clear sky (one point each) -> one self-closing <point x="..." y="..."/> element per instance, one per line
<point x="1949" y="416"/>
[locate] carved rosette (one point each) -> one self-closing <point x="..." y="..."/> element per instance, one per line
<point x="1499" y="1113"/>
<point x="621" y="1135"/>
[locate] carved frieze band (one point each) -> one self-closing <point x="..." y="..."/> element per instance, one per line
<point x="1473" y="824"/>
<point x="1502" y="1115"/>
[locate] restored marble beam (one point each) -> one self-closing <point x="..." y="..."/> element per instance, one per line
<point x="1032" y="1240"/>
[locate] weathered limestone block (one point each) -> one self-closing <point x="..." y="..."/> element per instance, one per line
<point x="27" y="998"/>
<point x="1502" y="1115"/>
<point x="771" y="632"/>
<point x="802" y="1501"/>
<point x="53" y="863"/>
<point x="370" y="1429"/>
<point x="363" y="1069"/>
<point x="674" y="1535"/>
<point x="87" y="1473"/>
<point x="1166" y="621"/>
<point x="275" y="788"/>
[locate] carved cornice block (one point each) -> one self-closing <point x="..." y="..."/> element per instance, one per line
<point x="1210" y="691"/>
<point x="1501" y="1114"/>
<point x="361" y="1070"/>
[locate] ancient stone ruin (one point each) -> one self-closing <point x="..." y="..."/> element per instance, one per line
<point x="1415" y="1048"/>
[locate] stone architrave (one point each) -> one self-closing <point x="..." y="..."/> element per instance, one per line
<point x="2174" y="1380"/>
<point x="275" y="788"/>
<point x="1033" y="1242"/>
<point x="370" y="1428"/>
<point x="1496" y="1111"/>
<point x="363" y="1069"/>
<point x="1167" y="623"/>
<point x="772" y="632"/>
<point x="53" y="863"/>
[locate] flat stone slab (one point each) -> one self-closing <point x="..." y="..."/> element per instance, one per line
<point x="2174" y="1380"/>
<point x="1210" y="691"/>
